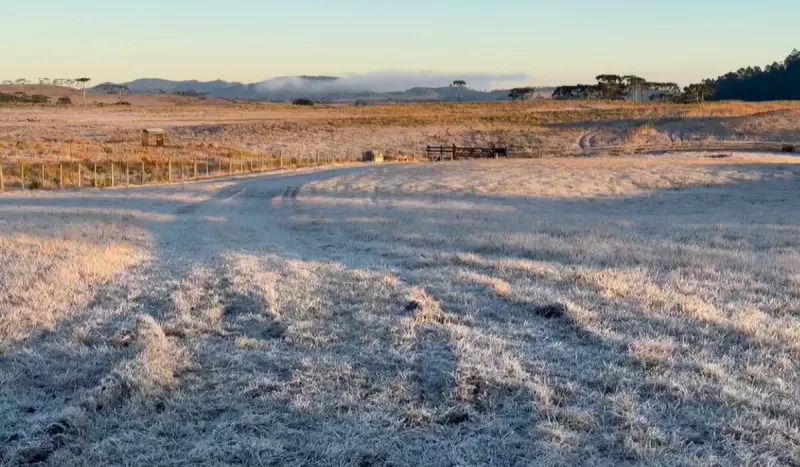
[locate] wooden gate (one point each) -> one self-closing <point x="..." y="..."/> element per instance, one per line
<point x="443" y="153"/>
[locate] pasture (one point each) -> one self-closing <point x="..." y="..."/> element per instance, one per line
<point x="594" y="311"/>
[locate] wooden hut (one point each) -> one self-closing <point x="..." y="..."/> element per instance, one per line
<point x="373" y="156"/>
<point x="156" y="135"/>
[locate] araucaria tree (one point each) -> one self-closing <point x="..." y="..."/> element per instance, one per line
<point x="459" y="84"/>
<point x="699" y="92"/>
<point x="521" y="94"/>
<point x="83" y="82"/>
<point x="611" y="86"/>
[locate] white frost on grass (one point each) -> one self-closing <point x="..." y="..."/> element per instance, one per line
<point x="455" y="314"/>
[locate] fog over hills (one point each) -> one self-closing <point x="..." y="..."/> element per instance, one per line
<point x="382" y="86"/>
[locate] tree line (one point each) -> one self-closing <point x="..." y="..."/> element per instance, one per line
<point x="635" y="88"/>
<point x="69" y="82"/>
<point x="778" y="81"/>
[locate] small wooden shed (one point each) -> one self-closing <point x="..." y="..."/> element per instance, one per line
<point x="372" y="156"/>
<point x="155" y="135"/>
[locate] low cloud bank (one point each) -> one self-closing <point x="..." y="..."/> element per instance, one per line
<point x="389" y="82"/>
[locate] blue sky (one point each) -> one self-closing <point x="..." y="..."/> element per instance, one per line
<point x="555" y="42"/>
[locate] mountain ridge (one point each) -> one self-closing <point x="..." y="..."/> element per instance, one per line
<point x="321" y="88"/>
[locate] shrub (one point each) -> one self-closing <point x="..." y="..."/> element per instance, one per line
<point x="40" y="99"/>
<point x="64" y="101"/>
<point x="787" y="148"/>
<point x="308" y="102"/>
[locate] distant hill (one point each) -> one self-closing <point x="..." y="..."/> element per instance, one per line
<point x="163" y="86"/>
<point x="322" y="88"/>
<point x="100" y="96"/>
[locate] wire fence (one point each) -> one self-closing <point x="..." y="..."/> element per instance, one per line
<point x="25" y="175"/>
<point x="673" y="147"/>
<point x="453" y="152"/>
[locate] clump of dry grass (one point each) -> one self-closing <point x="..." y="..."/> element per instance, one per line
<point x="196" y="306"/>
<point x="794" y="285"/>
<point x="496" y="285"/>
<point x="151" y="373"/>
<point x="653" y="352"/>
<point x="427" y="310"/>
<point x="646" y="135"/>
<point x="159" y="361"/>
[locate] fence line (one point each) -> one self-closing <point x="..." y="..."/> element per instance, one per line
<point x="441" y="153"/>
<point x="24" y="175"/>
<point x="63" y="175"/>
<point x="453" y="152"/>
<point x="681" y="146"/>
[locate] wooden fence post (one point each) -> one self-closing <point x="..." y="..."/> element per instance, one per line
<point x="127" y="174"/>
<point x="80" y="176"/>
<point x="22" y="173"/>
<point x="169" y="171"/>
<point x="42" y="177"/>
<point x="95" y="174"/>
<point x="112" y="174"/>
<point x="2" y="180"/>
<point x="208" y="168"/>
<point x="317" y="156"/>
<point x="141" y="181"/>
<point x="60" y="175"/>
<point x="195" y="169"/>
<point x="251" y="165"/>
<point x="230" y="167"/>
<point x="280" y="160"/>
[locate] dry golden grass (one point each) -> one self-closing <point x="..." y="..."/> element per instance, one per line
<point x="35" y="134"/>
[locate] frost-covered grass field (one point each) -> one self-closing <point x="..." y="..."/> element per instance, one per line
<point x="550" y="312"/>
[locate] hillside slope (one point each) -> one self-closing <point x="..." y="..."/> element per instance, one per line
<point x="92" y="98"/>
<point x="53" y="92"/>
